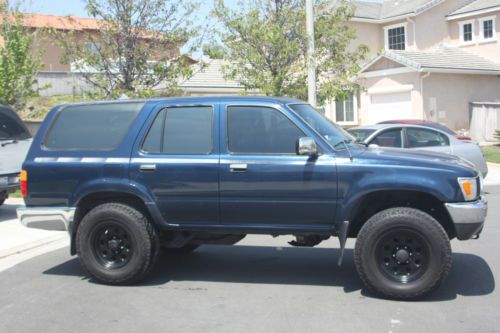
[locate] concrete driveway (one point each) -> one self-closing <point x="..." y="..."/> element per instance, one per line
<point x="261" y="285"/>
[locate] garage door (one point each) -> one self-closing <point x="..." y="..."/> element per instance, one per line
<point x="389" y="107"/>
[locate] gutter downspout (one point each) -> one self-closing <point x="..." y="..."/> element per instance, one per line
<point x="422" y="78"/>
<point x="414" y="33"/>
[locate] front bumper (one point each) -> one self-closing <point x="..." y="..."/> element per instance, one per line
<point x="468" y="217"/>
<point x="47" y="218"/>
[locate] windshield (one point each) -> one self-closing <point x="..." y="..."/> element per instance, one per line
<point x="11" y="129"/>
<point x="333" y="133"/>
<point x="361" y="134"/>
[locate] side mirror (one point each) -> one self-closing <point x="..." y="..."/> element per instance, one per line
<point x="307" y="146"/>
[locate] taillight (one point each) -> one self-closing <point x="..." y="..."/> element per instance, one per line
<point x="23" y="178"/>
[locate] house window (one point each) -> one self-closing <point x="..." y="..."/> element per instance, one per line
<point x="345" y="110"/>
<point x="395" y="37"/>
<point x="487" y="28"/>
<point x="467" y="32"/>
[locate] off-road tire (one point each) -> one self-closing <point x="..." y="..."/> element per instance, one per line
<point x="143" y="239"/>
<point x="370" y="266"/>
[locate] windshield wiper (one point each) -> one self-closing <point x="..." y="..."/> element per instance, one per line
<point x="10" y="142"/>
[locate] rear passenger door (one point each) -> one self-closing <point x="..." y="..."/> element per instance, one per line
<point x="177" y="159"/>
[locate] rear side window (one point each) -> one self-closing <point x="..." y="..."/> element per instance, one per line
<point x="181" y="131"/>
<point x="92" y="127"/>
<point x="421" y="138"/>
<point x="11" y="129"/>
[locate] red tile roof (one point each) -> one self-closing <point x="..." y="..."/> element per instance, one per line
<point x="60" y="22"/>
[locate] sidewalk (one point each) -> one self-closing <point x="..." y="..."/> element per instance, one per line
<point x="18" y="243"/>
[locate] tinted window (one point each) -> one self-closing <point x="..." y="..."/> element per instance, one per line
<point x="92" y="127"/>
<point x="389" y="138"/>
<point x="152" y="143"/>
<point x="183" y="130"/>
<point x="11" y="128"/>
<point x="261" y="130"/>
<point x="418" y="138"/>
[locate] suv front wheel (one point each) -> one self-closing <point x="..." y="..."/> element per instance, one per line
<point x="402" y="253"/>
<point x="116" y="244"/>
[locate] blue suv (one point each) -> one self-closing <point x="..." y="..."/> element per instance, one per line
<point x="127" y="178"/>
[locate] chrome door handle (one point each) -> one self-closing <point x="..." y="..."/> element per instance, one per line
<point x="239" y="167"/>
<point x="147" y="167"/>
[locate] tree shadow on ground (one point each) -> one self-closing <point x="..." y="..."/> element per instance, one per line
<point x="470" y="275"/>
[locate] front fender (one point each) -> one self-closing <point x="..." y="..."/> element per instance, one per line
<point x="358" y="181"/>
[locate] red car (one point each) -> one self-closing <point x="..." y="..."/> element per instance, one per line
<point x="427" y="123"/>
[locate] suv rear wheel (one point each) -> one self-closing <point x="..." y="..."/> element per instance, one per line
<point x="402" y="253"/>
<point x="116" y="244"/>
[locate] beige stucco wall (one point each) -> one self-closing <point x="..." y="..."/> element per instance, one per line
<point x="368" y="34"/>
<point x="388" y="82"/>
<point x="489" y="49"/>
<point x="431" y="27"/>
<point x="454" y="92"/>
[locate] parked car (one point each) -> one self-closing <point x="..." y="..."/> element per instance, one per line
<point x="15" y="140"/>
<point x="421" y="138"/>
<point x="428" y="123"/>
<point x="126" y="178"/>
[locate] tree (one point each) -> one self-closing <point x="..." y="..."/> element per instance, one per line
<point x="213" y="50"/>
<point x="497" y="134"/>
<point x="266" y="47"/>
<point x="19" y="63"/>
<point x="136" y="48"/>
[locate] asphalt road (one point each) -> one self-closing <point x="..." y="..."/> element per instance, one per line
<point x="257" y="286"/>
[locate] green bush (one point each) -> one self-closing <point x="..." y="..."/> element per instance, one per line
<point x="497" y="134"/>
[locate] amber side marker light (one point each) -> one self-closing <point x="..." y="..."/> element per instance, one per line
<point x="23" y="178"/>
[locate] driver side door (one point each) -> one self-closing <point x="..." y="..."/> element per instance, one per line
<point x="262" y="179"/>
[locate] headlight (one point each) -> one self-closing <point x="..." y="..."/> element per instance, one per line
<point x="469" y="188"/>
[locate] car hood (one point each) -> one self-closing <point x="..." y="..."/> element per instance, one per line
<point x="414" y="158"/>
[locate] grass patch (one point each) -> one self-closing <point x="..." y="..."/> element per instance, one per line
<point x="492" y="154"/>
<point x="16" y="194"/>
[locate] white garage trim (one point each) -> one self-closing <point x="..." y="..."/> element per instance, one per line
<point x="390" y="90"/>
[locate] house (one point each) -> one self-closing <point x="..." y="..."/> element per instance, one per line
<point x="208" y="79"/>
<point x="430" y="59"/>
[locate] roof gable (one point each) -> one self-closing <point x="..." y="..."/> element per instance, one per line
<point x="443" y="60"/>
<point x="474" y="8"/>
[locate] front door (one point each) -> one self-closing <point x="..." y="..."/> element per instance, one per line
<point x="262" y="179"/>
<point x="177" y="159"/>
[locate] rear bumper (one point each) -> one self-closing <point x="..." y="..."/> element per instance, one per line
<point x="47" y="218"/>
<point x="468" y="217"/>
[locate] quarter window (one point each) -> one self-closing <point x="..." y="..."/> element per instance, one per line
<point x="92" y="126"/>
<point x="181" y="131"/>
<point x="420" y="138"/>
<point x="261" y="130"/>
